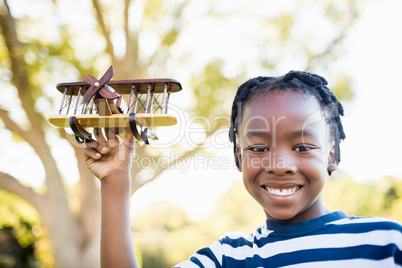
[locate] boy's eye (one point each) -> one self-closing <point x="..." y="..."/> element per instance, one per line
<point x="258" y="148"/>
<point x="304" y="148"/>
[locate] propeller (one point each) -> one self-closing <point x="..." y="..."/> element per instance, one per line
<point x="99" y="86"/>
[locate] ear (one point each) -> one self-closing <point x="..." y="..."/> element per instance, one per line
<point x="332" y="164"/>
<point x="238" y="156"/>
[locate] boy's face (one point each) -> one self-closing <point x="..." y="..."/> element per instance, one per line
<point x="285" y="154"/>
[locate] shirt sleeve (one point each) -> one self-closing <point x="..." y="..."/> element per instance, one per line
<point x="205" y="258"/>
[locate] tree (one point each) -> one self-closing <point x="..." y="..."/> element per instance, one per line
<point x="62" y="42"/>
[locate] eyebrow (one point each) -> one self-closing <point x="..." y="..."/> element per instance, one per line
<point x="301" y="133"/>
<point x="256" y="133"/>
<point x="291" y="135"/>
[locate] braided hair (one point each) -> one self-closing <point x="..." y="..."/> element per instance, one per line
<point x="304" y="82"/>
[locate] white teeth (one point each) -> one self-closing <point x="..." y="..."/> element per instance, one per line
<point x="281" y="192"/>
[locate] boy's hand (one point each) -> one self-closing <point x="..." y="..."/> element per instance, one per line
<point x="108" y="156"/>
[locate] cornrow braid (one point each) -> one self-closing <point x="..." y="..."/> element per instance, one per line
<point x="304" y="82"/>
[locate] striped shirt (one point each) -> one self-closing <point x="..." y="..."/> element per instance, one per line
<point x="332" y="240"/>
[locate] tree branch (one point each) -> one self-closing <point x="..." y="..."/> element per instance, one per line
<point x="129" y="64"/>
<point x="20" y="76"/>
<point x="104" y="28"/>
<point x="53" y="182"/>
<point x="11" y="125"/>
<point x="170" y="37"/>
<point x="135" y="185"/>
<point x="331" y="46"/>
<point x="11" y="184"/>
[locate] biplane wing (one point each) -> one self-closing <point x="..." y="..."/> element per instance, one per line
<point x="114" y="121"/>
<point x="104" y="103"/>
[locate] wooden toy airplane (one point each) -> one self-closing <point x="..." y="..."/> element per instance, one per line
<point x="102" y="104"/>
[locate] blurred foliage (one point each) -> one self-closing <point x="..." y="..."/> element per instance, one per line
<point x="343" y="87"/>
<point x="23" y="240"/>
<point x="12" y="253"/>
<point x="374" y="198"/>
<point x="214" y="91"/>
<point x="167" y="236"/>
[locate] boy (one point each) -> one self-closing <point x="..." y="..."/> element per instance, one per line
<point x="286" y="133"/>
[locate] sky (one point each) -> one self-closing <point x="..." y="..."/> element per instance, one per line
<point x="373" y="126"/>
<point x="372" y="121"/>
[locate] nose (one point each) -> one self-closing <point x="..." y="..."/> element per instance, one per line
<point x="280" y="165"/>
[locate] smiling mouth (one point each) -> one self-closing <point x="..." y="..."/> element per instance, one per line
<point x="281" y="191"/>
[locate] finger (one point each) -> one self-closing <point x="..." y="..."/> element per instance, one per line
<point x="92" y="153"/>
<point x="99" y="135"/>
<point x="94" y="145"/>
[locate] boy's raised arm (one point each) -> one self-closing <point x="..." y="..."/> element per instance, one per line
<point x="110" y="160"/>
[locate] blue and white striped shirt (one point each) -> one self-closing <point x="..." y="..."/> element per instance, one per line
<point x="332" y="240"/>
